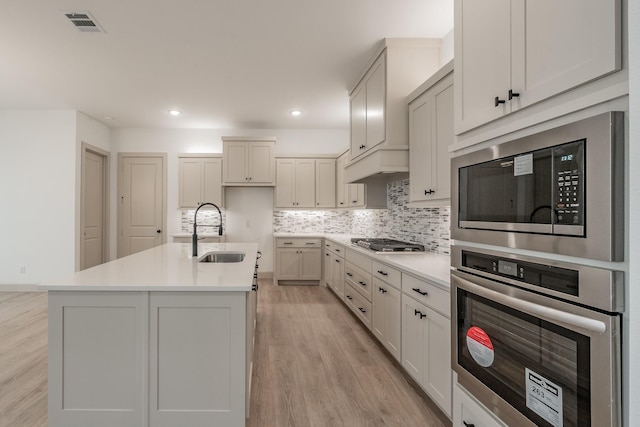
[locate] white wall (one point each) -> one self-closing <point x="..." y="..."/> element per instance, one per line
<point x="242" y="206"/>
<point x="632" y="334"/>
<point x="446" y="50"/>
<point x="38" y="193"/>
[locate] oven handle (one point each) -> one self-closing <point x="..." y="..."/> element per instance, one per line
<point x="550" y="314"/>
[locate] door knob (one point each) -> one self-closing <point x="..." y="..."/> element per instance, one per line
<point x="158" y="231"/>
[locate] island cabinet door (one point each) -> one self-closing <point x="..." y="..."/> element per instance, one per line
<point x="97" y="359"/>
<point x="197" y="359"/>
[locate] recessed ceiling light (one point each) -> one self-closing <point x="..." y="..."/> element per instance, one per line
<point x="174" y="112"/>
<point x="108" y="118"/>
<point x="295" y="113"/>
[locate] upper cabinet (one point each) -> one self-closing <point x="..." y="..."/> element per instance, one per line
<point x="430" y="135"/>
<point x="378" y="107"/>
<point x="511" y="54"/>
<point x="248" y="161"/>
<point x="305" y="183"/>
<point x="200" y="180"/>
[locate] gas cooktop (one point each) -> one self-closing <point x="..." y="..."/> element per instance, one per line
<point x="387" y="245"/>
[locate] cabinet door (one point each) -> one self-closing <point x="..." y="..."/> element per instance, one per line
<point x="342" y="189"/>
<point x="305" y="183"/>
<point x="338" y="276"/>
<point x="556" y="49"/>
<point x="261" y="163"/>
<point x="310" y="264"/>
<point x="467" y="412"/>
<point x="325" y="183"/>
<point x="442" y="139"/>
<point x="379" y="309"/>
<point x="285" y="183"/>
<point x="287" y="263"/>
<point x="356" y="195"/>
<point x="482" y="61"/>
<point x="236" y="157"/>
<point x="393" y="321"/>
<point x="420" y="142"/>
<point x="190" y="193"/>
<point x="358" y="121"/>
<point x="212" y="180"/>
<point x="375" y="103"/>
<point x="413" y="338"/>
<point x="328" y="269"/>
<point x="437" y="372"/>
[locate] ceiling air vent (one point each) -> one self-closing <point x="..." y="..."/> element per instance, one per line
<point x="84" y="22"/>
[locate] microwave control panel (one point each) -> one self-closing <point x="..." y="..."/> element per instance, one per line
<point x="568" y="163"/>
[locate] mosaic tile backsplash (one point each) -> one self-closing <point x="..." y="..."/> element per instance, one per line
<point x="427" y="226"/>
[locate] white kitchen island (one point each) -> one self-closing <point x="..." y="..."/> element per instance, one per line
<point x="153" y="339"/>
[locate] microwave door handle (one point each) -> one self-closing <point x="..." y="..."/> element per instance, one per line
<point x="546" y="313"/>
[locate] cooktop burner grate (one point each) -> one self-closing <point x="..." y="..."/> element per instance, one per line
<point x="387" y="245"/>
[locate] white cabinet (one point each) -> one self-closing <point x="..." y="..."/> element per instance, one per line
<point x="325" y="183"/>
<point x="295" y="183"/>
<point x="430" y="135"/>
<point x="298" y="260"/>
<point x="368" y="109"/>
<point x="426" y="350"/>
<point x="248" y="161"/>
<point x="200" y="180"/>
<point x="347" y="195"/>
<point x="305" y="183"/>
<point x="386" y="321"/>
<point x="468" y="412"/>
<point x="511" y="54"/>
<point x="334" y="267"/>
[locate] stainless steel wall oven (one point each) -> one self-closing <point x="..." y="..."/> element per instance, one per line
<point x="558" y="191"/>
<point x="537" y="341"/>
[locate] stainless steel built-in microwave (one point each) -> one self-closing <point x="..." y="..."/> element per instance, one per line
<point x="559" y="191"/>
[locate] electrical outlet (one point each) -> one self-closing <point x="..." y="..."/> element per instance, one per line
<point x="23" y="269"/>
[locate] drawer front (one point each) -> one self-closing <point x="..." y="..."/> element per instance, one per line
<point x="359" y="279"/>
<point x="387" y="274"/>
<point x="427" y="293"/>
<point x="358" y="304"/>
<point x="335" y="248"/>
<point x="298" y="243"/>
<point x="361" y="261"/>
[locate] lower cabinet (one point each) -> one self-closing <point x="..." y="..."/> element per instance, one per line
<point x="426" y="350"/>
<point x="298" y="261"/>
<point x="358" y="304"/>
<point x="467" y="412"/>
<point x="387" y="319"/>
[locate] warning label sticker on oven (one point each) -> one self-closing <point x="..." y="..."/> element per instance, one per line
<point x="544" y="398"/>
<point x="523" y="165"/>
<point x="480" y="346"/>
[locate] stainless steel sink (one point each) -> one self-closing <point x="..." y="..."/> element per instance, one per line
<point x="222" y="257"/>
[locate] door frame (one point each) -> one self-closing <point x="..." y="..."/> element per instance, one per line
<point x="121" y="157"/>
<point x="105" y="155"/>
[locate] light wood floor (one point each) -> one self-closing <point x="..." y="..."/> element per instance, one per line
<point x="315" y="365"/>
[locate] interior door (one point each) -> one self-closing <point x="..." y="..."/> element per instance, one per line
<point x="142" y="194"/>
<point x="94" y="208"/>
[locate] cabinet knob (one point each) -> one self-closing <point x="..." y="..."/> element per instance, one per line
<point x="513" y="94"/>
<point x="158" y="231"/>
<point x="499" y="101"/>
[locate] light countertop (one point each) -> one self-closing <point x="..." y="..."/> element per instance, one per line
<point x="424" y="265"/>
<point x="168" y="267"/>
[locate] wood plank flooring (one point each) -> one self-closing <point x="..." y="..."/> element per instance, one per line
<point x="315" y="365"/>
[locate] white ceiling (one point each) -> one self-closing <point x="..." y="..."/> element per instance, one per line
<point x="224" y="63"/>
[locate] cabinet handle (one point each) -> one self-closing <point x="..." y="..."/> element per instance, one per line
<point x="362" y="310"/>
<point x="349" y="297"/>
<point x="430" y="190"/>
<point x="350" y="274"/>
<point x="499" y="101"/>
<point x="419" y="313"/>
<point x="383" y="290"/>
<point x="288" y="243"/>
<point x="419" y="291"/>
<point x="326" y="254"/>
<point x="310" y="243"/>
<point x="338" y="261"/>
<point x="466" y="424"/>
<point x="355" y="201"/>
<point x="337" y="250"/>
<point x="342" y="203"/>
<point x="362" y="283"/>
<point x="513" y="94"/>
<point x="383" y="273"/>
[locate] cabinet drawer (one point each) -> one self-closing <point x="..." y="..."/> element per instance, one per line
<point x="427" y="293"/>
<point x="387" y="274"/>
<point x="299" y="243"/>
<point x="359" y="260"/>
<point x="358" y="304"/>
<point x="359" y="279"/>
<point x="335" y="248"/>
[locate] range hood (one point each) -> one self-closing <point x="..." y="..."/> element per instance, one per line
<point x="388" y="164"/>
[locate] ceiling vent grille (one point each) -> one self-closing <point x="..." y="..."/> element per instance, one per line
<point x="84" y="22"/>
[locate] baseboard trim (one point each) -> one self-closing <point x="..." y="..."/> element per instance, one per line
<point x="19" y="288"/>
<point x="265" y="275"/>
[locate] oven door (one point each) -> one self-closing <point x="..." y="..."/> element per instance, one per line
<point x="535" y="360"/>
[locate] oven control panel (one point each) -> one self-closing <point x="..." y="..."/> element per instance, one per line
<point x="568" y="164"/>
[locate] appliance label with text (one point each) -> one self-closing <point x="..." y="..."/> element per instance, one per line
<point x="544" y="398"/>
<point x="480" y="346"/>
<point x="523" y="165"/>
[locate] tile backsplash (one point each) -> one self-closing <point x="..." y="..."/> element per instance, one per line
<point x="427" y="226"/>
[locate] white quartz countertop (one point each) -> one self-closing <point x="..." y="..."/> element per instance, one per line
<point x="169" y="267"/>
<point x="425" y="265"/>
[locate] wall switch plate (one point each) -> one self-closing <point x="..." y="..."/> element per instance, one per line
<point x="23" y="269"/>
